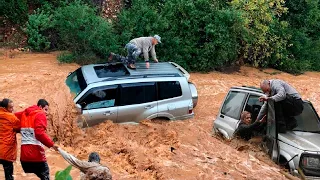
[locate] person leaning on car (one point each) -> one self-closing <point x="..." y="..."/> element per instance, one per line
<point x="245" y="129"/>
<point x="287" y="103"/>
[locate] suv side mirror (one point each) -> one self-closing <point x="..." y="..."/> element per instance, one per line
<point x="79" y="108"/>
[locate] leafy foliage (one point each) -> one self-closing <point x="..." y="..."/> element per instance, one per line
<point x="200" y="35"/>
<point x="37" y="28"/>
<point x="81" y="31"/>
<point x="64" y="174"/>
<point x="14" y="10"/>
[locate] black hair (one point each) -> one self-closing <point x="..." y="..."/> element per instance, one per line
<point x="43" y="103"/>
<point x="94" y="157"/>
<point x="5" y="102"/>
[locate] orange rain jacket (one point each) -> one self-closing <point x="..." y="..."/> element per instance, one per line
<point x="9" y="126"/>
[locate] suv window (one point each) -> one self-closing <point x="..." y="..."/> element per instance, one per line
<point x="102" y="97"/>
<point x="233" y="103"/>
<point x="169" y="89"/>
<point x="253" y="106"/>
<point x="308" y="120"/>
<point x="138" y="93"/>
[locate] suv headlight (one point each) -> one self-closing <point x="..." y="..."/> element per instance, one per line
<point x="310" y="164"/>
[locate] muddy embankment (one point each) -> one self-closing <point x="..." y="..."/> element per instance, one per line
<point x="150" y="150"/>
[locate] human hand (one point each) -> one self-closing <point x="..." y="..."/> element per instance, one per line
<point x="156" y="61"/>
<point x="263" y="119"/>
<point x="55" y="147"/>
<point x="147" y="65"/>
<point x="263" y="98"/>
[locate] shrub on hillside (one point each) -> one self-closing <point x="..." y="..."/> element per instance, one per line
<point x="262" y="43"/>
<point x="304" y="26"/>
<point x="37" y="29"/>
<point x="16" y="11"/>
<point x="83" y="32"/>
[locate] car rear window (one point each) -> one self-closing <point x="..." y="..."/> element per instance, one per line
<point x="169" y="89"/>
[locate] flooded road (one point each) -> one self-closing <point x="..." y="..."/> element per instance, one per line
<point x="150" y="150"/>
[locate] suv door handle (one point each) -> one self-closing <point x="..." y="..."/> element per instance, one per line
<point x="148" y="107"/>
<point x="108" y="113"/>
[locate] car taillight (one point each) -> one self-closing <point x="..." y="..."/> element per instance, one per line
<point x="190" y="108"/>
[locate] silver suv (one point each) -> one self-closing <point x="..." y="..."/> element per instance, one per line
<point x="115" y="92"/>
<point x="298" y="150"/>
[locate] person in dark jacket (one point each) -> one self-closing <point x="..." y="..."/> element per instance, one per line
<point x="33" y="137"/>
<point x="245" y="129"/>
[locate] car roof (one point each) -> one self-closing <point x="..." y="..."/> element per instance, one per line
<point x="109" y="72"/>
<point x="247" y="88"/>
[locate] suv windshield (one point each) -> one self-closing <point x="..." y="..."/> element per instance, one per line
<point x="76" y="83"/>
<point x="308" y="121"/>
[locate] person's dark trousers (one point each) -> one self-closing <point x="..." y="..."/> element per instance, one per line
<point x="41" y="169"/>
<point x="285" y="111"/>
<point x="8" y="169"/>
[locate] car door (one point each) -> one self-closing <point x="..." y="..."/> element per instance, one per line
<point x="229" y="115"/>
<point x="271" y="145"/>
<point x="170" y="101"/>
<point x="99" y="104"/>
<point x="138" y="101"/>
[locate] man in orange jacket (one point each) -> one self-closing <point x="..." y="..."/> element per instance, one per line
<point x="33" y="137"/>
<point x="9" y="126"/>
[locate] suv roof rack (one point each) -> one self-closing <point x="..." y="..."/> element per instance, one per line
<point x="114" y="71"/>
<point x="140" y="76"/>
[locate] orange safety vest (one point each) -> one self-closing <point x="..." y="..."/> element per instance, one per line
<point x="27" y="129"/>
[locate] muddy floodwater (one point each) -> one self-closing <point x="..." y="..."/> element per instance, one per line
<point x="153" y="149"/>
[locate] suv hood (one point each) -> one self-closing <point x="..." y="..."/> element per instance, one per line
<point x="303" y="140"/>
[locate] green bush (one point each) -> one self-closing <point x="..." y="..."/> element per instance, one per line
<point x="37" y="27"/>
<point x="66" y="57"/>
<point x="304" y="26"/>
<point x="64" y="174"/>
<point x="262" y="41"/>
<point x="16" y="11"/>
<point x="82" y="32"/>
